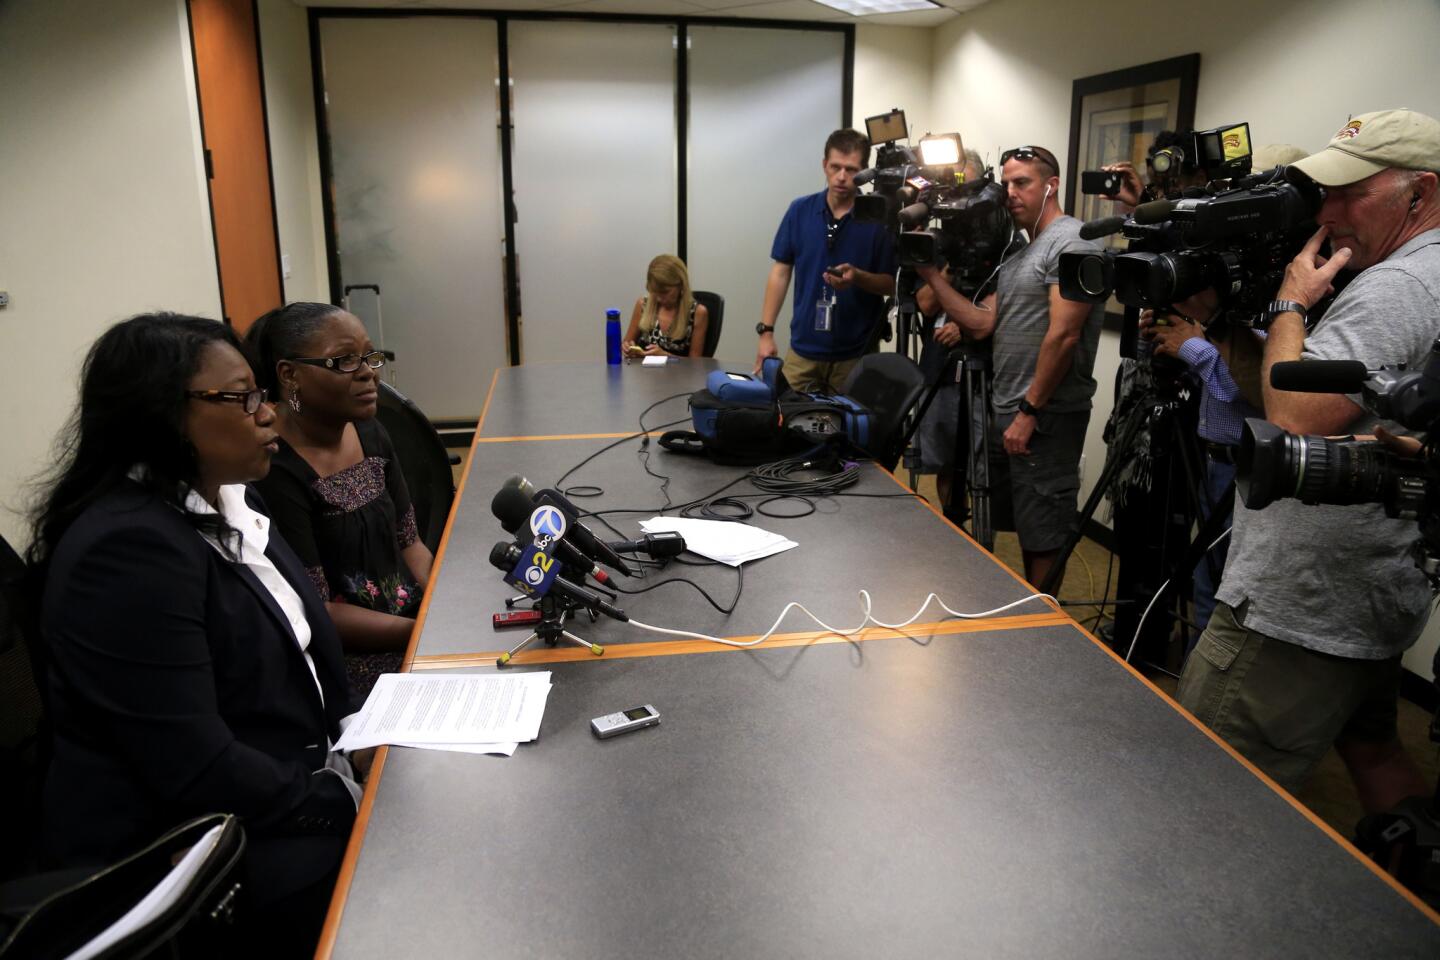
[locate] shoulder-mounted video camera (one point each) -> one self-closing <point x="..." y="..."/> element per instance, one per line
<point x="909" y="192"/>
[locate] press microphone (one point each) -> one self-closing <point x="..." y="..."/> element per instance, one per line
<point x="580" y="534"/>
<point x="512" y="506"/>
<point x="914" y="213"/>
<point x="1319" y="376"/>
<point x="507" y="556"/>
<point x="1156" y="211"/>
<point x="1103" y="227"/>
<point x="667" y="543"/>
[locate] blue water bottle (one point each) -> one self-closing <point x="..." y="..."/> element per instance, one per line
<point x="612" y="336"/>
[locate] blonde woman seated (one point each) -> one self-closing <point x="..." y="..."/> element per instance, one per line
<point x="667" y="320"/>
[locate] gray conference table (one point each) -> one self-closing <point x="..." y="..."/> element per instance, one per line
<point x="992" y="788"/>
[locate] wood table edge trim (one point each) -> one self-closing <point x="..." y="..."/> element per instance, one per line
<point x="343" y="879"/>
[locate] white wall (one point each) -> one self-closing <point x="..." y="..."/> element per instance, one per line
<point x="294" y="155"/>
<point x="103" y="207"/>
<point x="1294" y="70"/>
<point x="893" y="69"/>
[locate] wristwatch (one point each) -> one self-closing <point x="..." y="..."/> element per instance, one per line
<point x="762" y="329"/>
<point x="1027" y="407"/>
<point x="1274" y="308"/>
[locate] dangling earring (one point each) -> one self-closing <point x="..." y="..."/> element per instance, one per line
<point x="295" y="399"/>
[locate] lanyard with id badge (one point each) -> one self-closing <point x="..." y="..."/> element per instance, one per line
<point x="825" y="306"/>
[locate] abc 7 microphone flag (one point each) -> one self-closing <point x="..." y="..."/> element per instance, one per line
<point x="535" y="571"/>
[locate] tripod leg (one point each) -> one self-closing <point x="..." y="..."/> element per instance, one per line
<point x="977" y="418"/>
<point x="505" y="657"/>
<point x="594" y="648"/>
<point x="1114" y="460"/>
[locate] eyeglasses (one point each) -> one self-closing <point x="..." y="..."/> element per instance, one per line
<point x="249" y="400"/>
<point x="1031" y="153"/>
<point x="346" y="364"/>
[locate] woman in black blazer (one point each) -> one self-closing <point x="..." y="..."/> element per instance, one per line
<point x="190" y="667"/>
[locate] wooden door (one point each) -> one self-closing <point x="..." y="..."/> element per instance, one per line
<point x="237" y="152"/>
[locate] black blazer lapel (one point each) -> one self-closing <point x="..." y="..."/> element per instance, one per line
<point x="267" y="600"/>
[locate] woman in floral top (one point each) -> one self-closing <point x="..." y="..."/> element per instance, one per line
<point x="335" y="489"/>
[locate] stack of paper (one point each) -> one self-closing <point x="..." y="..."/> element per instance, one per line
<point x="489" y="713"/>
<point x="724" y="540"/>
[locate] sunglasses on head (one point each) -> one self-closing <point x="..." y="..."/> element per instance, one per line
<point x="1031" y="153"/>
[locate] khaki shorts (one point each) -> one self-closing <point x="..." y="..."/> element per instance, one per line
<point x="817" y="376"/>
<point x="1283" y="706"/>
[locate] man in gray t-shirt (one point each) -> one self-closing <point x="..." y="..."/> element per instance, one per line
<point x="1318" y="602"/>
<point x="1043" y="356"/>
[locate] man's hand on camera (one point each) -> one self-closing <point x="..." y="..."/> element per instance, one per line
<point x="1017" y="435"/>
<point x="1404" y="446"/>
<point x="1168" y="336"/>
<point x="1308" y="277"/>
<point x="767" y="348"/>
<point x="1130" y="185"/>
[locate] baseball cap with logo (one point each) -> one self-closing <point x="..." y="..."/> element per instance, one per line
<point x="1373" y="142"/>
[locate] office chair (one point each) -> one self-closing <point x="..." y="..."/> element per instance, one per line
<point x="122" y="911"/>
<point x="23" y="738"/>
<point x="424" y="461"/>
<point x="889" y="385"/>
<point x="714" y="305"/>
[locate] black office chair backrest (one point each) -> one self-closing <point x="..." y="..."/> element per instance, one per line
<point x="24" y="747"/>
<point x="714" y="305"/>
<point x="889" y="385"/>
<point x="57" y="914"/>
<point x="424" y="461"/>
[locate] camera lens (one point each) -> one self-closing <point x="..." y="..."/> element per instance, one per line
<point x="1272" y="464"/>
<point x="1092" y="276"/>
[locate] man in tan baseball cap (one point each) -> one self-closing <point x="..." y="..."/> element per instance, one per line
<point x="1373" y="142"/>
<point x="1319" y="602"/>
<point x="1380" y="180"/>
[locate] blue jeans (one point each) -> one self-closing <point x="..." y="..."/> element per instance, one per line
<point x="1217" y="478"/>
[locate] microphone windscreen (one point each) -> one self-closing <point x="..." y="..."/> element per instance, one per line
<point x="1103" y="227"/>
<point x="511" y="506"/>
<point x="1156" y="211"/>
<point x="1319" y="376"/>
<point x="500" y="555"/>
<point x="914" y="213"/>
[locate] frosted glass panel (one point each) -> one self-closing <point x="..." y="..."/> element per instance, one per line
<point x="762" y="103"/>
<point x="416" y="161"/>
<point x="594" y="175"/>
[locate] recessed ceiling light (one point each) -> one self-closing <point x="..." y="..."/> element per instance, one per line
<point x="866" y="8"/>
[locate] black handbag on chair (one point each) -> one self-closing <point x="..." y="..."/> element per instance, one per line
<point x="170" y="898"/>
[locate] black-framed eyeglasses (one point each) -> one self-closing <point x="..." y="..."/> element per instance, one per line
<point x="346" y="364"/>
<point x="1031" y="153"/>
<point x="249" y="400"/>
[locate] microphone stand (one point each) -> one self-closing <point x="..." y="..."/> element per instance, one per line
<point x="554" y="609"/>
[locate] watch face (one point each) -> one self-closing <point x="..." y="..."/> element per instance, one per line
<point x="761" y="328"/>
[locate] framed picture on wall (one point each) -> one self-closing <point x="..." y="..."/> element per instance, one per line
<point x="1114" y="117"/>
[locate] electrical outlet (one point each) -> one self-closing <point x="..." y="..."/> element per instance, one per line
<point x="285" y="265"/>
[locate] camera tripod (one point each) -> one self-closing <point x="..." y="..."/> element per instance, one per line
<point x="970" y="360"/>
<point x="1153" y="542"/>
<point x="554" y="611"/>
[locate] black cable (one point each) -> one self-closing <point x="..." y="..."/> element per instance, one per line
<point x="739" y="588"/>
<point x="560" y="484"/>
<point x="810" y="505"/>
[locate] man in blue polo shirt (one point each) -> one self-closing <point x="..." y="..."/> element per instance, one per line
<point x="843" y="270"/>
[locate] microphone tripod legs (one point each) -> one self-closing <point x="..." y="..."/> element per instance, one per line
<point x="552" y="631"/>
